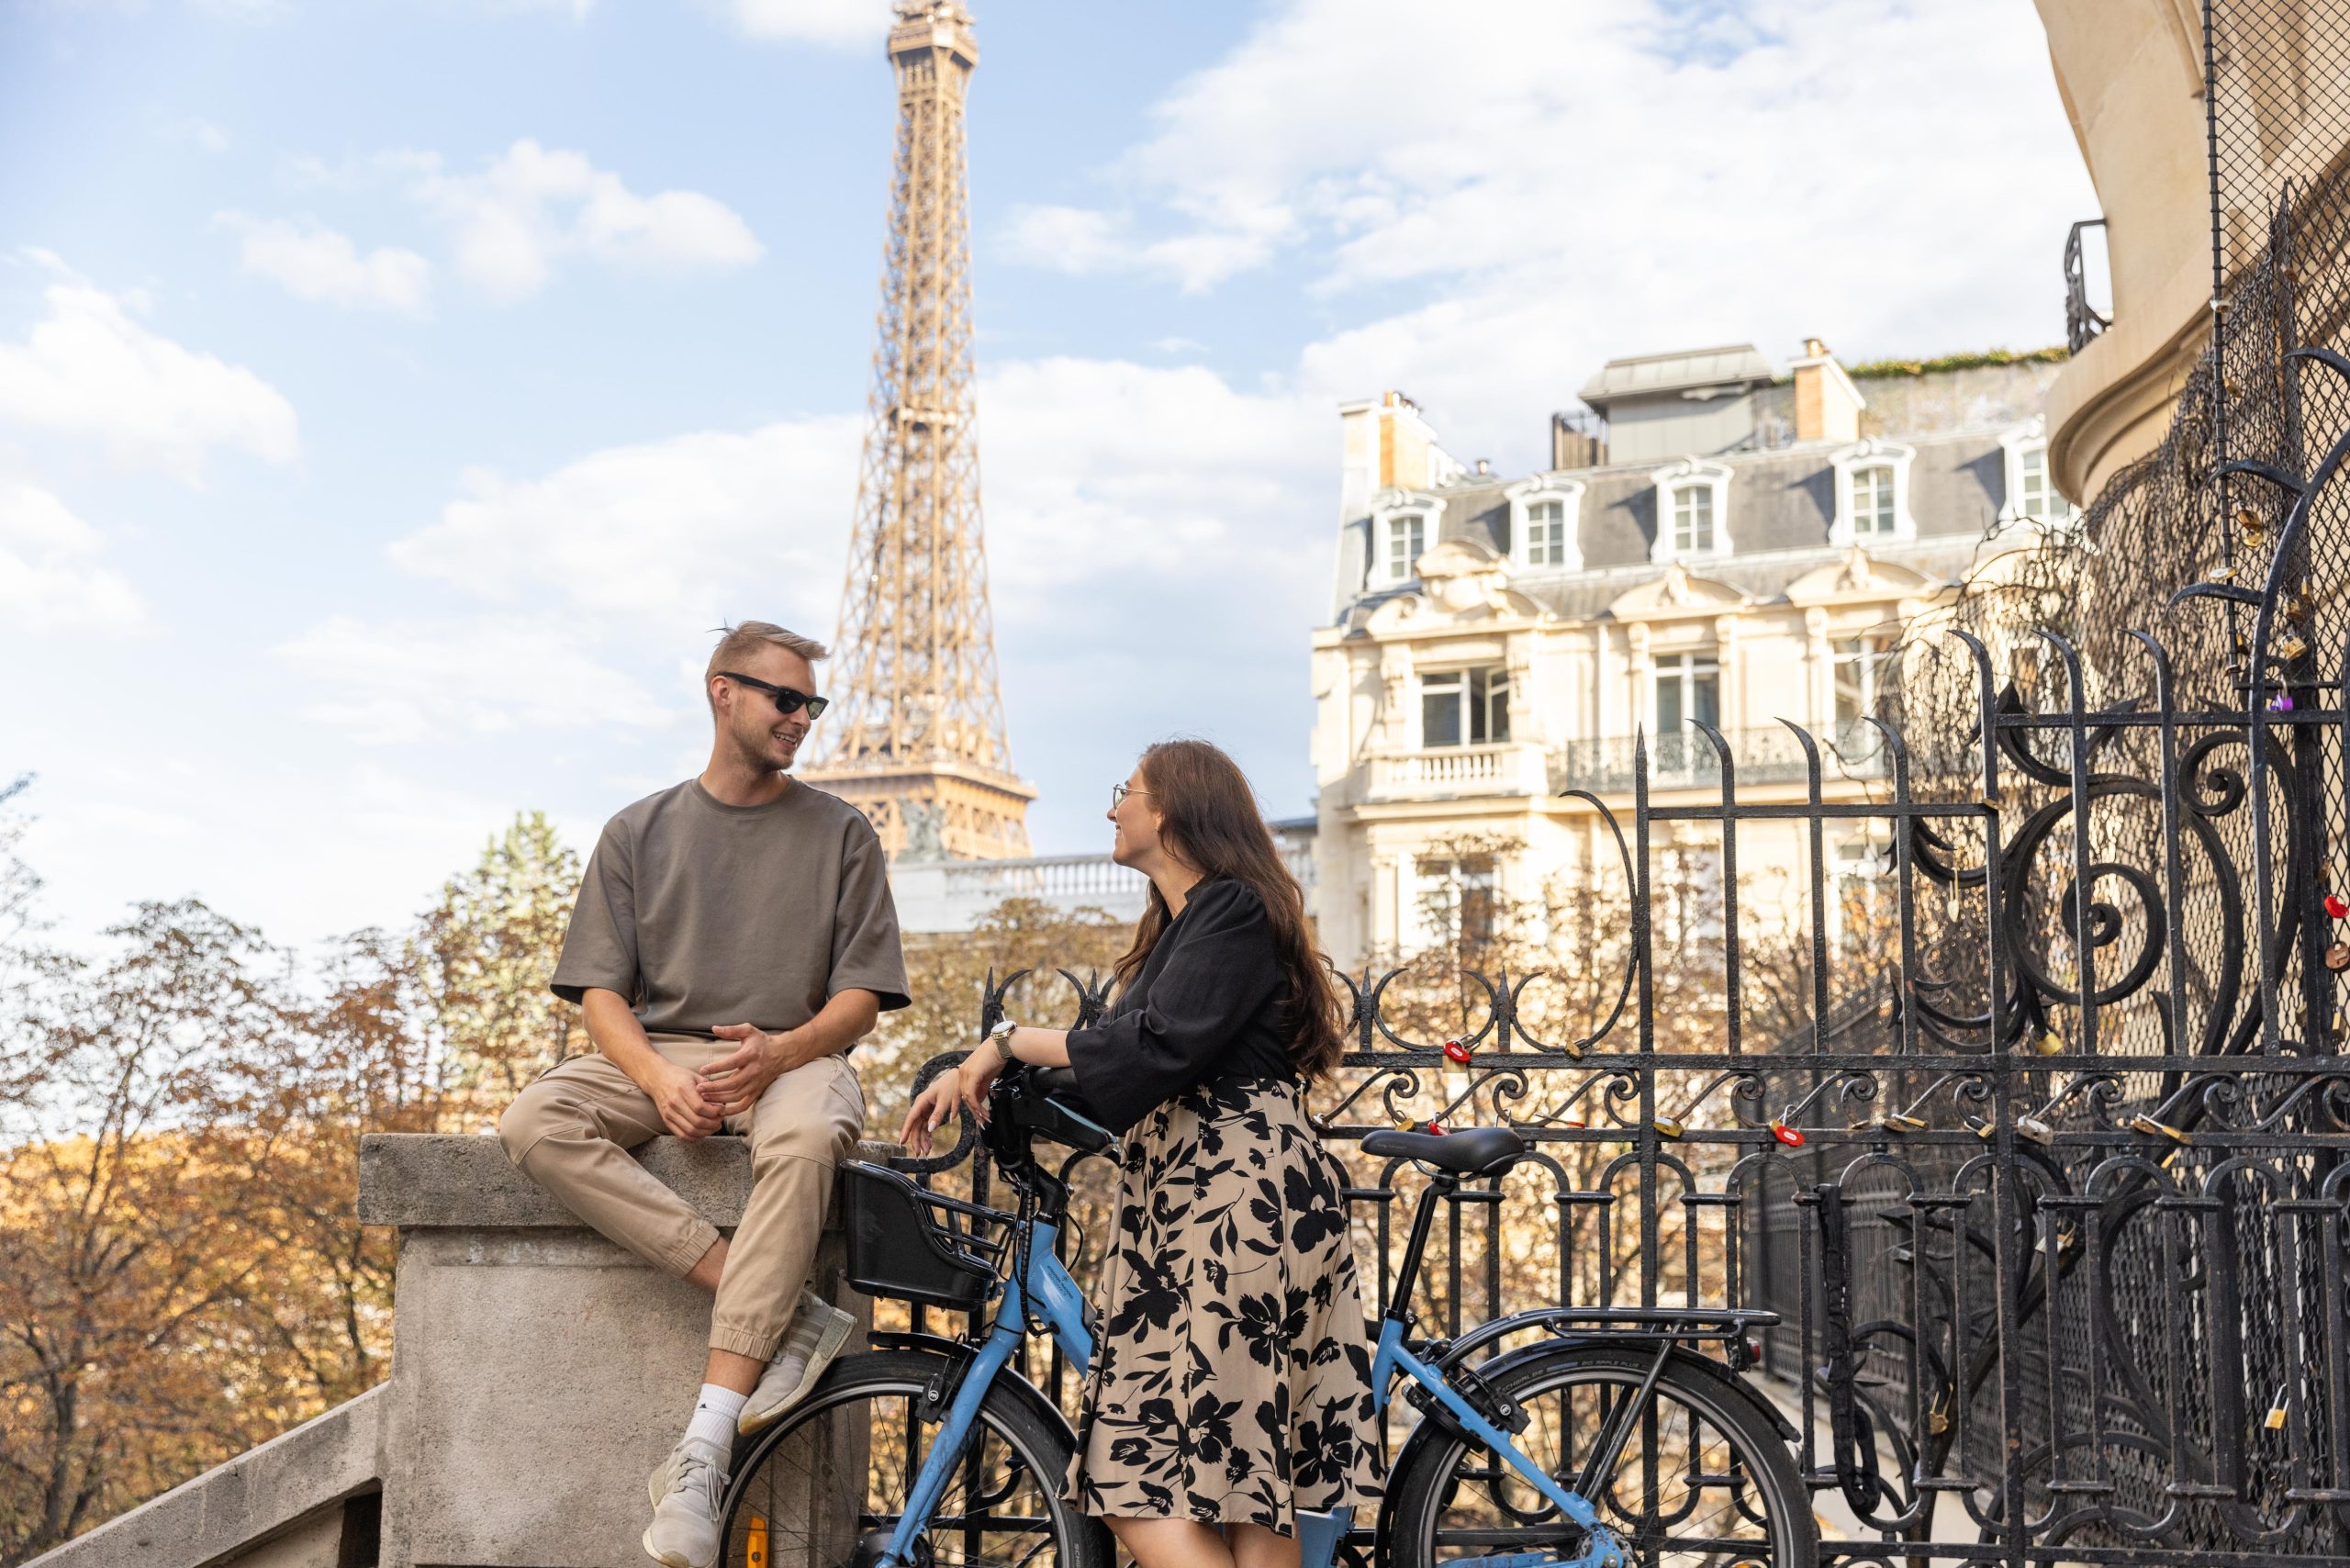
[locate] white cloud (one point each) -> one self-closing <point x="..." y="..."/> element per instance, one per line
<point x="201" y="134"/>
<point x="512" y="222"/>
<point x="315" y="263"/>
<point x="88" y="369"/>
<point x="394" y="682"/>
<point x="668" y="536"/>
<point x="836" y="23"/>
<point x="1560" y="183"/>
<point x="49" y="578"/>
<point x="1081" y="240"/>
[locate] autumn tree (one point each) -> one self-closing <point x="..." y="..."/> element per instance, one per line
<point x="480" y="959"/>
<point x="129" y="1268"/>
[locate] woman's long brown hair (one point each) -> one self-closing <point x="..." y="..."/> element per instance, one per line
<point x="1208" y="819"/>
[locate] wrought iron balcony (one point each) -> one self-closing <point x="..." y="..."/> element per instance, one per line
<point x="1850" y="748"/>
<point x="1452" y="772"/>
<point x="2082" y="321"/>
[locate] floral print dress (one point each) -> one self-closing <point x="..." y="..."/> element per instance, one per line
<point x="1232" y="1382"/>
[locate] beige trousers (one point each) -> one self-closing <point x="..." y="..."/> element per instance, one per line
<point x="571" y="1131"/>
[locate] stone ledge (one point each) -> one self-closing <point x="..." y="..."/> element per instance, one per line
<point x="429" y="1181"/>
<point x="231" y="1507"/>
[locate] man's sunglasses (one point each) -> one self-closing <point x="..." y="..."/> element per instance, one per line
<point x="787" y="701"/>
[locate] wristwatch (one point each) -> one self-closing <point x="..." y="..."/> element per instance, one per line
<point x="1001" y="1037"/>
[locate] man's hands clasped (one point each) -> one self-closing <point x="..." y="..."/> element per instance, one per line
<point x="695" y="1105"/>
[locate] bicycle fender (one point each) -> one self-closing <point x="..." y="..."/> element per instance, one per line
<point x="957" y="1357"/>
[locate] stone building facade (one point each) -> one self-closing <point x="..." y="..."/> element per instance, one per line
<point x="1734" y="547"/>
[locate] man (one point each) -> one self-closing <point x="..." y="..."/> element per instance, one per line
<point x="734" y="938"/>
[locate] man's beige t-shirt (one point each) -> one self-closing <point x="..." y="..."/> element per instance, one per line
<point x="702" y="914"/>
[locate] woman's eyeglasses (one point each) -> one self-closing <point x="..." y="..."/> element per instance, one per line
<point x="787" y="701"/>
<point x="1118" y="794"/>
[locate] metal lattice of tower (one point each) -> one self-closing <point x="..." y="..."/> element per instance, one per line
<point x="916" y="738"/>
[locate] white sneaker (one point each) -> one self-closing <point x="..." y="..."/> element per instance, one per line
<point x="818" y="1331"/>
<point x="689" y="1491"/>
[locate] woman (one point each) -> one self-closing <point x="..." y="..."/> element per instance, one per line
<point x="1232" y="1386"/>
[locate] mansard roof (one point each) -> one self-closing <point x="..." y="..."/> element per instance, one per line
<point x="1780" y="499"/>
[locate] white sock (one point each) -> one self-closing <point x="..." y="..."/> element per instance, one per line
<point x="714" y="1415"/>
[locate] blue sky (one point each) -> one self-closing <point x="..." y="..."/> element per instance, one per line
<point x="392" y="394"/>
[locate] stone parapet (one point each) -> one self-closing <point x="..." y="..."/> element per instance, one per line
<point x="539" y="1372"/>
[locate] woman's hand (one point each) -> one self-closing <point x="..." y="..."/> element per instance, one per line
<point x="976" y="1076"/>
<point x="930" y="1110"/>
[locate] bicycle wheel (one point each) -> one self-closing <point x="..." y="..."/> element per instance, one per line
<point x="1701" y="1481"/>
<point x="825" y="1486"/>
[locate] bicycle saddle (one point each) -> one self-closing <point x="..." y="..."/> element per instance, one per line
<point x="1470" y="1151"/>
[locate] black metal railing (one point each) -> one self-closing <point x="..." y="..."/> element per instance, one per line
<point x="2082" y="320"/>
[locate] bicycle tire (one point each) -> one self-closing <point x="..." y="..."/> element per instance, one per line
<point x="1428" y="1524"/>
<point x="813" y="1451"/>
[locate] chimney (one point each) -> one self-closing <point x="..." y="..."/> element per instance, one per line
<point x="1827" y="406"/>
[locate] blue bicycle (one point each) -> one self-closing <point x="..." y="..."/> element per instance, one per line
<point x="1608" y="1440"/>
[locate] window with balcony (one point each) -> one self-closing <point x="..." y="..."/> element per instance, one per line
<point x="1406" y="540"/>
<point x="1861" y="667"/>
<point x="1464" y="707"/>
<point x="1688" y="686"/>
<point x="1873" y="513"/>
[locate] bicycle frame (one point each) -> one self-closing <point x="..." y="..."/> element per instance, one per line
<point x="1062" y="1305"/>
<point x="1604" y="1550"/>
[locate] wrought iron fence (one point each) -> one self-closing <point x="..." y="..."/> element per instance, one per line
<point x="2051" y="1189"/>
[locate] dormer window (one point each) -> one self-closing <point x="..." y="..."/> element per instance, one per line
<point x="1693" y="519"/>
<point x="1692" y="511"/>
<point x="2031" y="489"/>
<point x="1546" y="534"/>
<point x="1406" y="541"/>
<point x="1872" y="511"/>
<point x="1544" y="523"/>
<point x="1872" y="494"/>
<point x="1403" y="527"/>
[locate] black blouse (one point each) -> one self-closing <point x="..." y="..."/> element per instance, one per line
<point x="1208" y="1005"/>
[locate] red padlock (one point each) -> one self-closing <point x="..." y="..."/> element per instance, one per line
<point x="2335" y="907"/>
<point x="1457" y="1050"/>
<point x="1437" y="1127"/>
<point x="1791" y="1136"/>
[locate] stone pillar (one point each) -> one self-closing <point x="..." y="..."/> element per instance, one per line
<point x="539" y="1371"/>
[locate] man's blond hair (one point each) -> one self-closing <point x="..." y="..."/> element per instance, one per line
<point x="747" y="637"/>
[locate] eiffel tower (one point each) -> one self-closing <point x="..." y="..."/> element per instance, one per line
<point x="916" y="736"/>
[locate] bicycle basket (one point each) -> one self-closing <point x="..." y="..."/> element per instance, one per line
<point x="899" y="1248"/>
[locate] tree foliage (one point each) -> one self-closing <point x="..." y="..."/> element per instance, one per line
<point x="181" y="1271"/>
